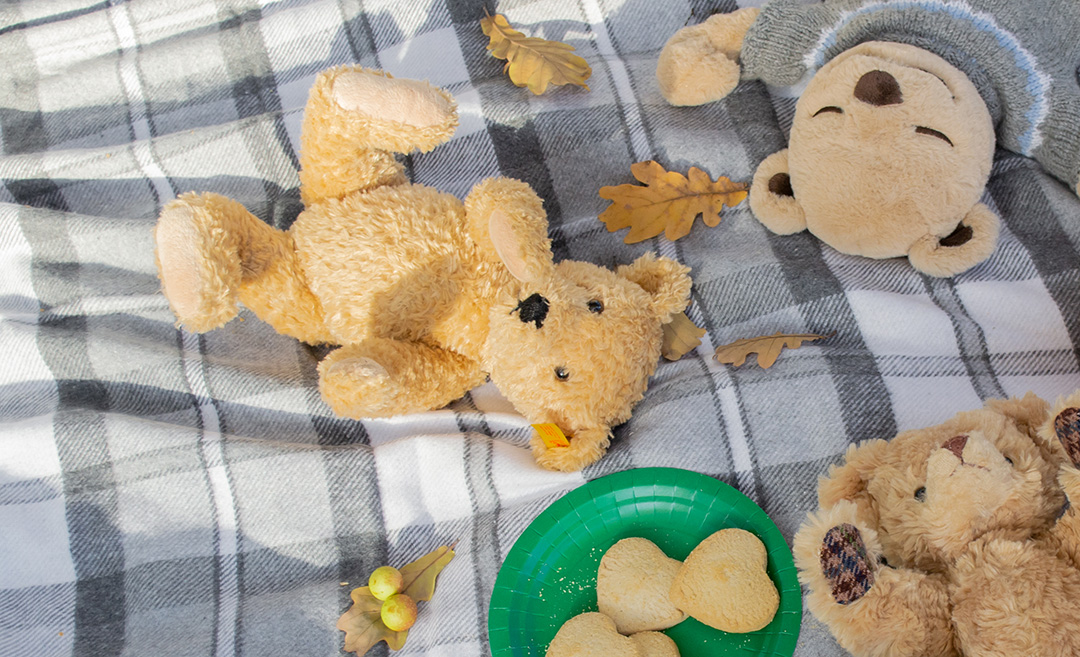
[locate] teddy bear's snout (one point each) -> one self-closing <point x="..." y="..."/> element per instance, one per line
<point x="878" y="88"/>
<point x="533" y="309"/>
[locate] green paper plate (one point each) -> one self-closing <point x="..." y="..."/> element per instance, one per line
<point x="550" y="573"/>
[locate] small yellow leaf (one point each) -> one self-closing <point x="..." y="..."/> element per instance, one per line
<point x="680" y="337"/>
<point x="668" y="202"/>
<point x="767" y="347"/>
<point x="420" y="574"/>
<point x="531" y="61"/>
<point x="363" y="625"/>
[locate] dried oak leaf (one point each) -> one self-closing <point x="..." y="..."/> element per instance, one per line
<point x="669" y="202"/>
<point x="767" y="347"/>
<point x="681" y="336"/>
<point x="531" y="61"/>
<point x="362" y="623"/>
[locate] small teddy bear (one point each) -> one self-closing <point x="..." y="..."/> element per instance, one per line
<point x="958" y="539"/>
<point x="426" y="296"/>
<point x="893" y="137"/>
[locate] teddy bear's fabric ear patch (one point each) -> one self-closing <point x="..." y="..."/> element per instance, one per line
<point x="845" y="564"/>
<point x="1067" y="428"/>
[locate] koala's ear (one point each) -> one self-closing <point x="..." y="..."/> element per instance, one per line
<point x="772" y="200"/>
<point x="971" y="242"/>
<point x="848" y="480"/>
<point x="526" y="254"/>
<point x="667" y="281"/>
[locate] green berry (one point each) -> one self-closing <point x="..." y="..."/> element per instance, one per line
<point x="398" y="612"/>
<point x="385" y="582"/>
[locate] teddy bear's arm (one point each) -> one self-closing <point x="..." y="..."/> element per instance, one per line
<point x="517" y="237"/>
<point x="870" y="608"/>
<point x="382" y="377"/>
<point x="356" y="119"/>
<point x="1063" y="429"/>
<point x="699" y="63"/>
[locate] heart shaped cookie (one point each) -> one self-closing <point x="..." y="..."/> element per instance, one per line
<point x="655" y="644"/>
<point x="632" y="586"/>
<point x="723" y="583"/>
<point x="591" y="635"/>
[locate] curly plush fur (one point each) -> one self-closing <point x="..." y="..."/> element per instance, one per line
<point x="957" y="539"/>
<point x="427" y="296"/>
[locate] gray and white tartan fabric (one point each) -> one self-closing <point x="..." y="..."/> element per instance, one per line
<point x="176" y="494"/>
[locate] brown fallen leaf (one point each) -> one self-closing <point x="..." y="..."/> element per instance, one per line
<point x="668" y="203"/>
<point x="531" y="61"/>
<point x="767" y="347"/>
<point x="680" y="337"/>
<point x="362" y="623"/>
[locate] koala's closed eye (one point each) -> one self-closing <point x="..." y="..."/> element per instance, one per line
<point x="923" y="130"/>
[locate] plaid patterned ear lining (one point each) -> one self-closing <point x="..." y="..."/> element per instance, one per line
<point x="1067" y="428"/>
<point x="845" y="564"/>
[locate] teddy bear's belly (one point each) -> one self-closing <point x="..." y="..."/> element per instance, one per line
<point x="390" y="263"/>
<point x="1013" y="598"/>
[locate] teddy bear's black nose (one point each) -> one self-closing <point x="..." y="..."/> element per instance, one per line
<point x="878" y="88"/>
<point x="533" y="309"/>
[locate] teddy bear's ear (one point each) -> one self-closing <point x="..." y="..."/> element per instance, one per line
<point x="666" y="280"/>
<point x="1028" y="412"/>
<point x="848" y="480"/>
<point x="771" y="198"/>
<point x="526" y="254"/>
<point x="970" y="243"/>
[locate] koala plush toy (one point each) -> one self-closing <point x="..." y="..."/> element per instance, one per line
<point x="425" y="296"/>
<point x="893" y="136"/>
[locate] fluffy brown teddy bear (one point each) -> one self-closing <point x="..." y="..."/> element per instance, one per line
<point x="893" y="137"/>
<point x="426" y="295"/>
<point x="958" y="539"/>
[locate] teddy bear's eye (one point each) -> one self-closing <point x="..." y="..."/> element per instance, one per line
<point x="923" y="130"/>
<point x="829" y="108"/>
<point x="1010" y="461"/>
<point x="595" y="306"/>
<point x="561" y="373"/>
<point x="920" y="494"/>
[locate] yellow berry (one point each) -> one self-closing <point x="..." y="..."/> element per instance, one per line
<point x="385" y="582"/>
<point x="398" y="612"/>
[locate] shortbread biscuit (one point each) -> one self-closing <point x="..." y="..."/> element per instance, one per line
<point x="591" y="635"/>
<point x="632" y="586"/>
<point x="723" y="583"/>
<point x="655" y="644"/>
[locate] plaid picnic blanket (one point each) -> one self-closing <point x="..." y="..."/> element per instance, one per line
<point x="169" y="493"/>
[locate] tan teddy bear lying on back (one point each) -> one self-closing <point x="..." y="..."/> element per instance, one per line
<point x="426" y="295"/>
<point x="958" y="539"/>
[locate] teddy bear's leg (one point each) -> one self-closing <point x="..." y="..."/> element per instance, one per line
<point x="354" y="122"/>
<point x="211" y="252"/>
<point x="586" y="447"/>
<point x="699" y="63"/>
<point x="870" y="608"/>
<point x="381" y="377"/>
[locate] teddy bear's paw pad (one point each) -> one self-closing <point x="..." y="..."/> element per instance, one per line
<point x="591" y="634"/>
<point x="411" y="102"/>
<point x="845" y="564"/>
<point x="632" y="586"/>
<point x="723" y="583"/>
<point x="655" y="644"/>
<point x="1067" y="428"/>
<point x="360" y="369"/>
<point x="197" y="287"/>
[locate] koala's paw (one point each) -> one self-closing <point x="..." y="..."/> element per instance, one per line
<point x="846" y="564"/>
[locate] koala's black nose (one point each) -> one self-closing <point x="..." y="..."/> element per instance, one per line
<point x="533" y="309"/>
<point x="878" y="88"/>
